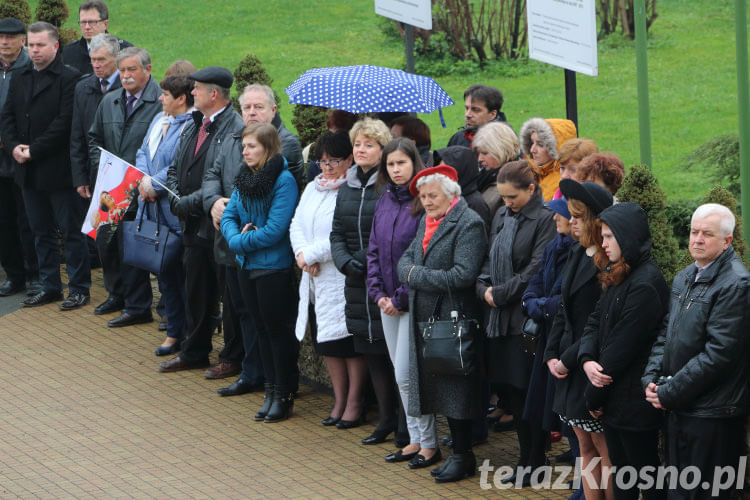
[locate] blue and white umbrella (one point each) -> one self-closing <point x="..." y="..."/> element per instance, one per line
<point x="368" y="89"/>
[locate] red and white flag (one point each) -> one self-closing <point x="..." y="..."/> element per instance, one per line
<point x="116" y="187"/>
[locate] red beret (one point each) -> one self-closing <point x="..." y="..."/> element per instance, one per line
<point x="441" y="169"/>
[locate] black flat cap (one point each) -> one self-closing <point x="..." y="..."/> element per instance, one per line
<point x="12" y="26"/>
<point x="590" y="193"/>
<point x="215" y="75"/>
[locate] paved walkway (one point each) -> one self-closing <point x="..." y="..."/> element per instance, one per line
<point x="85" y="414"/>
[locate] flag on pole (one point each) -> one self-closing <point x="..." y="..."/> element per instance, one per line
<point x="116" y="187"/>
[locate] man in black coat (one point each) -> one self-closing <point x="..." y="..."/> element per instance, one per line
<point x="482" y="105"/>
<point x="35" y="127"/>
<point x="17" y="252"/>
<point x="698" y="367"/>
<point x="120" y="124"/>
<point x="93" y="18"/>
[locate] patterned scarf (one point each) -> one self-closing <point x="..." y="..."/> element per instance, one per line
<point x="501" y="265"/>
<point x="323" y="184"/>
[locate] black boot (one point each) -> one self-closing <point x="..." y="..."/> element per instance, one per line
<point x="462" y="465"/>
<point x="281" y="408"/>
<point x="267" y="400"/>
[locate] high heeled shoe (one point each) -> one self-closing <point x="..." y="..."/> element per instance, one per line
<point x="378" y="436"/>
<point x="163" y="350"/>
<point x="330" y="421"/>
<point x="458" y="466"/>
<point x="351" y="424"/>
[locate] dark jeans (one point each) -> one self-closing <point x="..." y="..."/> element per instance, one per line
<point x="201" y="302"/>
<point x="46" y="211"/>
<point x="172" y="287"/>
<point x="272" y="301"/>
<point x="243" y="325"/>
<point x="17" y="251"/>
<point x="635" y="449"/>
<point x="233" y="352"/>
<point x="705" y="443"/>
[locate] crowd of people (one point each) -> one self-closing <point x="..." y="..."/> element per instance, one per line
<point x="521" y="235"/>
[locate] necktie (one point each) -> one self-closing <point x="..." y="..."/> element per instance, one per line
<point x="202" y="134"/>
<point x="105" y="84"/>
<point x="129" y="106"/>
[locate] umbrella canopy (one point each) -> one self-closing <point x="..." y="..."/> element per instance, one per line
<point x="368" y="89"/>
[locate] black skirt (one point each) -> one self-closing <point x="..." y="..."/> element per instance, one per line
<point x="341" y="348"/>
<point x="507" y="362"/>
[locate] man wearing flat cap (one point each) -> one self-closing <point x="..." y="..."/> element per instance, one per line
<point x="17" y="251"/>
<point x="214" y="122"/>
<point x="120" y="124"/>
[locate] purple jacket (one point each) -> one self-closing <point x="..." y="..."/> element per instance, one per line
<point x="393" y="230"/>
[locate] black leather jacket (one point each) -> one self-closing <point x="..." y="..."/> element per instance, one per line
<point x="704" y="345"/>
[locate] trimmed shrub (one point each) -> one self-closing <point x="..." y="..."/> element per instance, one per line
<point x="678" y="214"/>
<point x="250" y="70"/>
<point x="722" y="196"/>
<point x="16" y="8"/>
<point x="54" y="12"/>
<point x="720" y="158"/>
<point x="640" y="186"/>
<point x="310" y="122"/>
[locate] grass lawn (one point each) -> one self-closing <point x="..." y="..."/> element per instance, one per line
<point x="691" y="67"/>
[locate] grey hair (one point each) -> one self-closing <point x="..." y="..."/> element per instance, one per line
<point x="270" y="96"/>
<point x="222" y="91"/>
<point x="107" y="41"/>
<point x="450" y="187"/>
<point x="498" y="140"/>
<point x="144" y="59"/>
<point x="727" y="222"/>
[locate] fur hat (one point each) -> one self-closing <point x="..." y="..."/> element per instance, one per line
<point x="553" y="133"/>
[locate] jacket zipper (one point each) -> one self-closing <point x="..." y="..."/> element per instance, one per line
<point x="361" y="247"/>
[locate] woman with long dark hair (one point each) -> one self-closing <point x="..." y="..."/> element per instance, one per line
<point x="255" y="225"/>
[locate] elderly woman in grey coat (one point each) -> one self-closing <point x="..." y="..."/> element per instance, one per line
<point x="439" y="258"/>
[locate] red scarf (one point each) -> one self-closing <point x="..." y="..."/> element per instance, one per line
<point x="431" y="225"/>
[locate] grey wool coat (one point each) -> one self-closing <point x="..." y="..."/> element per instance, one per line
<point x="453" y="259"/>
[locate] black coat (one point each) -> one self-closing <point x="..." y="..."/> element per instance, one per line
<point x="76" y="54"/>
<point x="465" y="162"/>
<point x="579" y="293"/>
<point x="624" y="325"/>
<point x="88" y="95"/>
<point x="7" y="165"/>
<point x="507" y="363"/>
<point x="465" y="136"/>
<point x="704" y="344"/>
<point x="38" y="112"/>
<point x="350" y="237"/>
<point x="187" y="171"/>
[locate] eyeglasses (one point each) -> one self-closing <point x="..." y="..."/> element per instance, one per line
<point x="331" y="163"/>
<point x="81" y="22"/>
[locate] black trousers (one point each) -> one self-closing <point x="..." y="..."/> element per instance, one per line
<point x="201" y="302"/>
<point x="17" y="250"/>
<point x="532" y="439"/>
<point x="635" y="449"/>
<point x="271" y="300"/>
<point x="233" y="351"/>
<point x="237" y="316"/>
<point x="705" y="443"/>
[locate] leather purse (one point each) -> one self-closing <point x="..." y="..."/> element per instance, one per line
<point x="530" y="331"/>
<point x="448" y="346"/>
<point x="149" y="245"/>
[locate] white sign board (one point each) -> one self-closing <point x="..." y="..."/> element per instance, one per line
<point x="563" y="33"/>
<point x="415" y="12"/>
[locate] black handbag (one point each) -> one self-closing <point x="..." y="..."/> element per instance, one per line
<point x="149" y="245"/>
<point x="448" y="346"/>
<point x="530" y="331"/>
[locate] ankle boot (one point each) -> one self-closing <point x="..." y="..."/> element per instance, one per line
<point x="281" y="408"/>
<point x="462" y="465"/>
<point x="267" y="401"/>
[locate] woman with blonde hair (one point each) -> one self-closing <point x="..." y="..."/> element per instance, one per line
<point x="495" y="144"/>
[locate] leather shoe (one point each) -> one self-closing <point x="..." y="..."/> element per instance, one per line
<point x="458" y="467"/>
<point x="177" y="364"/>
<point x="74" y="301"/>
<point x="377" y="436"/>
<point x="223" y="370"/>
<point x="240" y="386"/>
<point x="328" y="422"/>
<point x="112" y="304"/>
<point x="419" y="461"/>
<point x="400" y="456"/>
<point x="350" y="424"/>
<point x="11" y="288"/>
<point x="164" y="350"/>
<point x="42" y="298"/>
<point x="127" y="319"/>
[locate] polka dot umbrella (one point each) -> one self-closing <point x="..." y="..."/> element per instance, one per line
<point x="368" y="89"/>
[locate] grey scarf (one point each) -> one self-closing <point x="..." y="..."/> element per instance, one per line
<point x="501" y="265"/>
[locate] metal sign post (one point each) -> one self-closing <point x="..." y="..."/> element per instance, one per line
<point x="743" y="110"/>
<point x="641" y="63"/>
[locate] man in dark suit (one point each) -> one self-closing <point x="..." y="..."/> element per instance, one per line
<point x="120" y="124"/>
<point x="88" y="93"/>
<point x="93" y="18"/>
<point x="35" y="126"/>
<point x="17" y="253"/>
